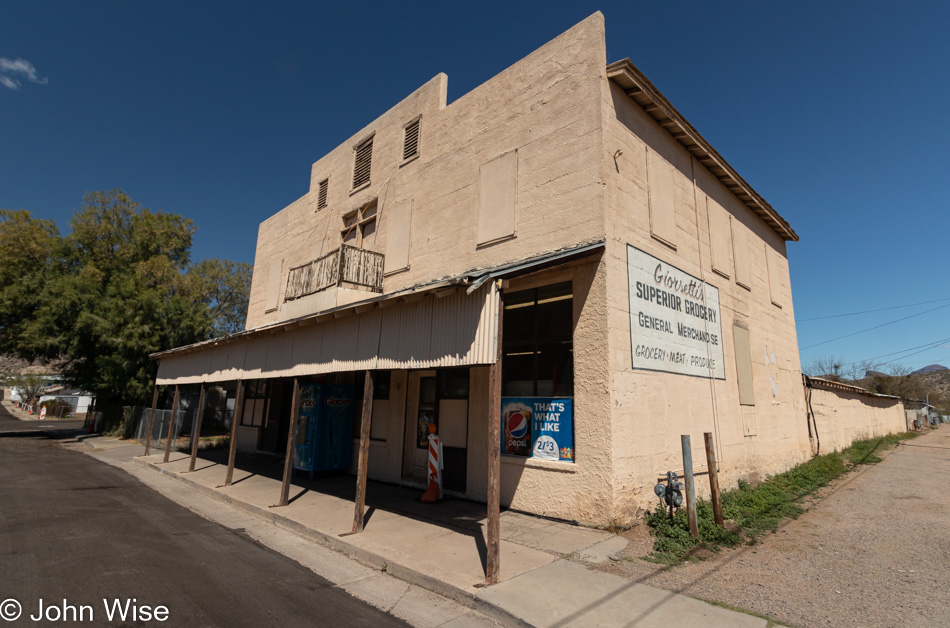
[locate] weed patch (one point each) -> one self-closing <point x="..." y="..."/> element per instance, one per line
<point x="737" y="609"/>
<point x="862" y="451"/>
<point x="754" y="510"/>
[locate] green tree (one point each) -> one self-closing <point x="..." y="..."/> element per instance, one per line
<point x="29" y="257"/>
<point x="224" y="288"/>
<point x="116" y="289"/>
<point x="28" y="387"/>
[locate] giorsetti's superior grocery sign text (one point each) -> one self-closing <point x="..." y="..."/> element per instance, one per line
<point x="674" y="319"/>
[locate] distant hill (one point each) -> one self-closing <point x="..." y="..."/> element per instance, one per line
<point x="935" y="383"/>
<point x="938" y="383"/>
<point x="10" y="365"/>
<point x="930" y="369"/>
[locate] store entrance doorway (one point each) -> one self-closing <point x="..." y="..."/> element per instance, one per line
<point x="423" y="409"/>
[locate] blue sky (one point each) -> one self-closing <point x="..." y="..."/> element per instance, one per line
<point x="836" y="113"/>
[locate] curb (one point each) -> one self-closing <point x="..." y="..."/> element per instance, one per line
<point x="335" y="543"/>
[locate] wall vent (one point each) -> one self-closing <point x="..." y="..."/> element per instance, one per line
<point x="410" y="147"/>
<point x="322" y="195"/>
<point x="364" y="160"/>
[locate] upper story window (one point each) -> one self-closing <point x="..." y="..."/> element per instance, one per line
<point x="359" y="227"/>
<point x="410" y="145"/>
<point x="538" y="343"/>
<point x="363" y="163"/>
<point x="322" y="194"/>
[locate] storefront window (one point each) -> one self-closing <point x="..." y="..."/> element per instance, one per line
<point x="453" y="384"/>
<point x="538" y="345"/>
<point x="537" y="410"/>
<point x="255" y="398"/>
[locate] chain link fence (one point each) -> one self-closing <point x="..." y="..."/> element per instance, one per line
<point x="215" y="427"/>
<point x="181" y="430"/>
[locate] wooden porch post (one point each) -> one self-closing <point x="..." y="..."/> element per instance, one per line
<point x="171" y="426"/>
<point x="235" y="421"/>
<point x="291" y="437"/>
<point x="363" y="461"/>
<point x="196" y="428"/>
<point x="492" y="565"/>
<point x="151" y="420"/>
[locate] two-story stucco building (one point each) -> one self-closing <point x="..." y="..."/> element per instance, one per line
<point x="562" y="215"/>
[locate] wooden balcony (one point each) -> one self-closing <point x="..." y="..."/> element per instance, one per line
<point x="345" y="266"/>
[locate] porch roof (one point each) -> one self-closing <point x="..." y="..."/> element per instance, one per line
<point x="433" y="325"/>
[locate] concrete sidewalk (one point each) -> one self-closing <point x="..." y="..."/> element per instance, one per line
<point x="441" y="547"/>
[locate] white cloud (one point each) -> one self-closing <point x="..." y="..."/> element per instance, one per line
<point x="13" y="70"/>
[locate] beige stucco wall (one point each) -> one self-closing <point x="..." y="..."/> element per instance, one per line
<point x="385" y="454"/>
<point x="545" y="107"/>
<point x="651" y="410"/>
<point x="843" y="417"/>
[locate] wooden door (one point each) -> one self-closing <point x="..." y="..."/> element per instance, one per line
<point x="422" y="410"/>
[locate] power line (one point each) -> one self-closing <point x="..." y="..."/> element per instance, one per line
<point x="824" y="342"/>
<point x="910" y="354"/>
<point x="883" y="309"/>
<point x="929" y="345"/>
<point x="934" y="360"/>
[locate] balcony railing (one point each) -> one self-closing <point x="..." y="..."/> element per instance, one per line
<point x="345" y="265"/>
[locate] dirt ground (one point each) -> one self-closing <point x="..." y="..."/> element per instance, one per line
<point x="872" y="550"/>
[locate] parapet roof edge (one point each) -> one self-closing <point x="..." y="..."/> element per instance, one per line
<point x="638" y="86"/>
<point x="833" y="385"/>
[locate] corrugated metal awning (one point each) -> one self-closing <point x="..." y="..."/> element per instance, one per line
<point x="439" y="327"/>
<point x="439" y="324"/>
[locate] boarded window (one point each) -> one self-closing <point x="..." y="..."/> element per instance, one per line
<point x="322" y="194"/>
<point x="740" y="338"/>
<point x="662" y="191"/>
<point x="410" y="145"/>
<point x="740" y="249"/>
<point x="273" y="285"/>
<point x="719" y="237"/>
<point x="776" y="269"/>
<point x="398" y="220"/>
<point x="363" y="163"/>
<point x="497" y="193"/>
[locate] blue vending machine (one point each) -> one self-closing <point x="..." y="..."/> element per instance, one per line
<point x="324" y="427"/>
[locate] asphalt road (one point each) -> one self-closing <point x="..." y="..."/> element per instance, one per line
<point x="10" y="423"/>
<point x="75" y="529"/>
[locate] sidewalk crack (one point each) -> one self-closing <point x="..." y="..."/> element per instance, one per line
<point x="408" y="586"/>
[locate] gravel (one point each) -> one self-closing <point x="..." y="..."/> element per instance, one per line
<point x="873" y="549"/>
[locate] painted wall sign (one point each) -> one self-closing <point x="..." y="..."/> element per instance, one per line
<point x="675" y="323"/>
<point x="538" y="427"/>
